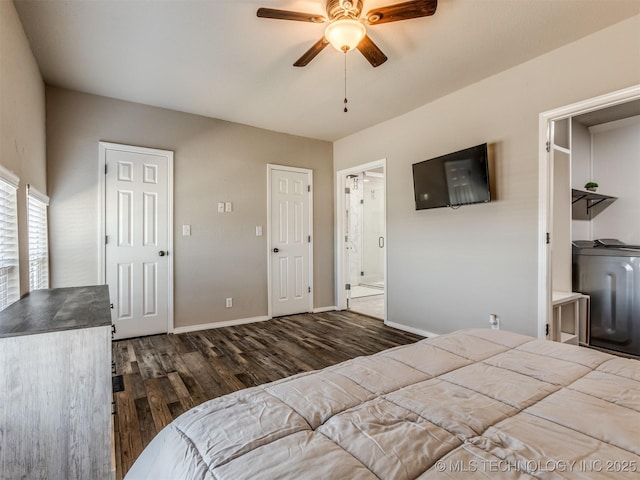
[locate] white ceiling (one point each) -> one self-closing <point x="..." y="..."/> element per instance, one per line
<point x="216" y="58"/>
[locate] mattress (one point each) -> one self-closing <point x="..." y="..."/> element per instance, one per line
<point x="471" y="404"/>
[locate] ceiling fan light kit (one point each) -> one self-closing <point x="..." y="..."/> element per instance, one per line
<point x="344" y="20"/>
<point x="345" y="34"/>
<point x="346" y="29"/>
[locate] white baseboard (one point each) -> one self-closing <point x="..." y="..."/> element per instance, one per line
<point x="417" y="331"/>
<point x="332" y="308"/>
<point x="227" y="323"/>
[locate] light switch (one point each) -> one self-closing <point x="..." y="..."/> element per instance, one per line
<point x="259" y="231"/>
<point x="228" y="207"/>
<point x="220" y="207"/>
<point x="186" y="230"/>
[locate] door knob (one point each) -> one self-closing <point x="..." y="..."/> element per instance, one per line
<point x="162" y="253"/>
<point x="276" y="250"/>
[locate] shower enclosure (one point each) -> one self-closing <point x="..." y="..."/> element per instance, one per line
<point x="364" y="228"/>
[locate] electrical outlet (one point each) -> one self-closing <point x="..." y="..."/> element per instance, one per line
<point x="186" y="230"/>
<point x="229" y="302"/>
<point x="220" y="207"/>
<point x="494" y="321"/>
<point x="228" y="207"/>
<point x="258" y="231"/>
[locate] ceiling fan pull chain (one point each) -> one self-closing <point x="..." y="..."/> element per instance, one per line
<point x="345" y="82"/>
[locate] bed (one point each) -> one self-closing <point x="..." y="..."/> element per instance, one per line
<point x="471" y="404"/>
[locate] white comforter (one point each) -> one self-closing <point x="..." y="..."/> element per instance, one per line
<point x="472" y="404"/>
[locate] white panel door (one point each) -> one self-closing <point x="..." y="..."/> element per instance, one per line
<point x="137" y="239"/>
<point x="290" y="242"/>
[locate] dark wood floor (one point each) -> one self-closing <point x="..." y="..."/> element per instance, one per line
<point x="165" y="375"/>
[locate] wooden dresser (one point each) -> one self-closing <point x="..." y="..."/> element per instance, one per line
<point x="55" y="385"/>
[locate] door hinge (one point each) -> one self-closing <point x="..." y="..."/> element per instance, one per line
<point x="105" y="168"/>
<point x="309" y="289"/>
<point x="309" y="238"/>
<point x="548" y="147"/>
<point x="346" y="238"/>
<point x="362" y="274"/>
<point x="548" y="238"/>
<point x="546" y="330"/>
<point x="362" y="201"/>
<point x="308" y="188"/>
<point x="347" y="190"/>
<point x="347" y="286"/>
<point x="106" y="239"/>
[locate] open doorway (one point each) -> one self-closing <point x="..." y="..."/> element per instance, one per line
<point x="362" y="240"/>
<point x="568" y="163"/>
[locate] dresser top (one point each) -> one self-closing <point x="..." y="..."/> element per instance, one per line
<point x="57" y="309"/>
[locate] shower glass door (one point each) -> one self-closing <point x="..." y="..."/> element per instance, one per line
<point x="364" y="242"/>
<point x="373" y="241"/>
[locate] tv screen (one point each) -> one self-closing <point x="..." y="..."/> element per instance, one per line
<point x="459" y="178"/>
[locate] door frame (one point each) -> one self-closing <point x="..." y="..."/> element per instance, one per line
<point x="341" y="182"/>
<point x="270" y="168"/>
<point x="545" y="182"/>
<point x="102" y="214"/>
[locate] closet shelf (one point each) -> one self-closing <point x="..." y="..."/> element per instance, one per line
<point x="586" y="205"/>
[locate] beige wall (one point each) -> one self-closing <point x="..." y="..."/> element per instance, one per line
<point x="214" y="161"/>
<point x="616" y="168"/>
<point x="22" y="120"/>
<point x="449" y="269"/>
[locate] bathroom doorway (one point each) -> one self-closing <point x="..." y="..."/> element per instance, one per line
<point x="364" y="240"/>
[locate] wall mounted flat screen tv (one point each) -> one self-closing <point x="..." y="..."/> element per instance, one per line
<point x="459" y="178"/>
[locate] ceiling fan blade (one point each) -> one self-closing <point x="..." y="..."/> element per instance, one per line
<point x="312" y="52"/>
<point x="402" y="11"/>
<point x="371" y="52"/>
<point x="288" y="15"/>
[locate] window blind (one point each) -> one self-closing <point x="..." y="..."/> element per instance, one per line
<point x="9" y="271"/>
<point x="38" y="239"/>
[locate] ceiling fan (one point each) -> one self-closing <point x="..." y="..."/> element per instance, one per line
<point x="346" y="30"/>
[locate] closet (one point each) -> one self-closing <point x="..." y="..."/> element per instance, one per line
<point x="583" y="148"/>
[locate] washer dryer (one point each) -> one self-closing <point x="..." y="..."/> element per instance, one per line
<point x="609" y="272"/>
